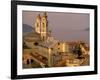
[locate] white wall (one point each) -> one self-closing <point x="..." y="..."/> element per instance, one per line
<point x="5" y="29"/>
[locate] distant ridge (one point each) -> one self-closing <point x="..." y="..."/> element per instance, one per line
<point x="27" y="28"/>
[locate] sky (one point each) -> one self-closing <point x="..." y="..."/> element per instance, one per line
<point x="64" y="26"/>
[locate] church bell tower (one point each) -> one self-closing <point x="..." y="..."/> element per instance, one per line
<point x="41" y="26"/>
<point x="44" y="28"/>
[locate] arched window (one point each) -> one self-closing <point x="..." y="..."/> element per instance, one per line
<point x="43" y="25"/>
<point x="31" y="61"/>
<point x="28" y="61"/>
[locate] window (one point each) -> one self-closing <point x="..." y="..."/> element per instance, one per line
<point x="36" y="43"/>
<point x="43" y="25"/>
<point x="28" y="61"/>
<point x="58" y="43"/>
<point x="58" y="48"/>
<point x="31" y="61"/>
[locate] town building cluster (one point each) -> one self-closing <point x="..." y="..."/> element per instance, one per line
<point x="42" y="49"/>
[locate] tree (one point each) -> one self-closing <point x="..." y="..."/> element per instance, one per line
<point x="77" y="50"/>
